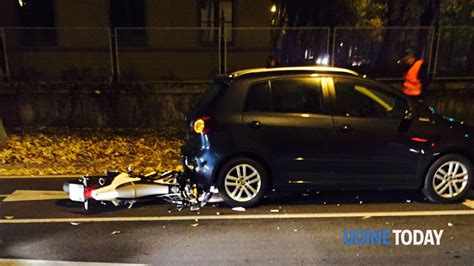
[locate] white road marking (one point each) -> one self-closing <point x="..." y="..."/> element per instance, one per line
<point x="240" y="217"/>
<point x="41" y="177"/>
<point x="469" y="203"/>
<point x="55" y="262"/>
<point x="33" y="195"/>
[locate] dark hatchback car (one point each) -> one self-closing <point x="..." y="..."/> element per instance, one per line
<point x="325" y="128"/>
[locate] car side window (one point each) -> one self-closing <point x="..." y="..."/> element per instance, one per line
<point x="259" y="98"/>
<point x="357" y="99"/>
<point x="297" y="95"/>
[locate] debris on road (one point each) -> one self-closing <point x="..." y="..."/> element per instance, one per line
<point x="74" y="223"/>
<point x="195" y="224"/>
<point x="450" y="224"/>
<point x="408" y="201"/>
<point x="115" y="232"/>
<point x="274" y="210"/>
<point x="9" y="217"/>
<point x="218" y="213"/>
<point x="238" y="209"/>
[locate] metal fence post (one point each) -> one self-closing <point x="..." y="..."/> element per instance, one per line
<point x="111" y="55"/>
<point x="333" y="45"/>
<point x="117" y="61"/>
<point x="5" y="55"/>
<point x="225" y="50"/>
<point x="328" y="42"/>
<point x="219" y="50"/>
<point x="431" y="40"/>
<point x="435" y="67"/>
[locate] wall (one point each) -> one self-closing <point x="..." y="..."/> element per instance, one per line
<point x="97" y="104"/>
<point x="154" y="105"/>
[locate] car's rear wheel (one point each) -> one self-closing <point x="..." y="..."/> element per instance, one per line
<point x="242" y="182"/>
<point x="448" y="179"/>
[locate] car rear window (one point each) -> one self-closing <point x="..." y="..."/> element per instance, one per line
<point x="210" y="95"/>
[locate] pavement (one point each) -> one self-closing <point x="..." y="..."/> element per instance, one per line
<point x="40" y="226"/>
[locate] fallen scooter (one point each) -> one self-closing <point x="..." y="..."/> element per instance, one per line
<point x="127" y="188"/>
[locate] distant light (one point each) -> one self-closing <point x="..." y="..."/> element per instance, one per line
<point x="21" y="3"/>
<point x="325" y="61"/>
<point x="341" y="44"/>
<point x="273" y="9"/>
<point x="299" y="158"/>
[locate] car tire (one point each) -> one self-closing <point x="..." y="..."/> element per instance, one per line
<point x="242" y="182"/>
<point x="448" y="179"/>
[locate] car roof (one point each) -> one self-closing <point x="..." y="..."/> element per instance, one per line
<point x="292" y="70"/>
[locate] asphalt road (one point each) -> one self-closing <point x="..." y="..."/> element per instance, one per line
<point x="300" y="228"/>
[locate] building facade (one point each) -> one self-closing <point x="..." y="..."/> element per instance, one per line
<point x="138" y="39"/>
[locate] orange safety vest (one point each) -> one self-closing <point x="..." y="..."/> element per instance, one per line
<point x="412" y="84"/>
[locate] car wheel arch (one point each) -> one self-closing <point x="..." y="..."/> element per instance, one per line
<point x="249" y="155"/>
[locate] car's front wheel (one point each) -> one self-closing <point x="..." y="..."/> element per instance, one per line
<point x="242" y="182"/>
<point x="448" y="179"/>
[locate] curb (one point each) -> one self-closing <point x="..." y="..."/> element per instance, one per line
<point x="40" y="176"/>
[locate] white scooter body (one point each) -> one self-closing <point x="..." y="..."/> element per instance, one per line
<point x="125" y="187"/>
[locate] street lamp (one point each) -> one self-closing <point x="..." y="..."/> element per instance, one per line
<point x="273" y="9"/>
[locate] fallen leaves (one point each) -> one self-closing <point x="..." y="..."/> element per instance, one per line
<point x="81" y="151"/>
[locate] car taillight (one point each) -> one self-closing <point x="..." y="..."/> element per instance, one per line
<point x="200" y="125"/>
<point x="88" y="192"/>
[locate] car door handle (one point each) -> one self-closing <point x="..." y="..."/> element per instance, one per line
<point x="255" y="124"/>
<point x="345" y="128"/>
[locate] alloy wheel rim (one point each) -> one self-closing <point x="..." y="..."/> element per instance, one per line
<point x="242" y="182"/>
<point x="450" y="179"/>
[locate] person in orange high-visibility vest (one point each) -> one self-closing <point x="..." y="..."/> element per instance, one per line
<point x="415" y="76"/>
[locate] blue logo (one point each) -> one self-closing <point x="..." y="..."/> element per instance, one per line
<point x="392" y="237"/>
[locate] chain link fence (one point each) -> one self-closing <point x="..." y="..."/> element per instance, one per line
<point x="56" y="54"/>
<point x="377" y="51"/>
<point x="170" y="54"/>
<point x="455" y="53"/>
<point x="251" y="47"/>
<point x="200" y="53"/>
